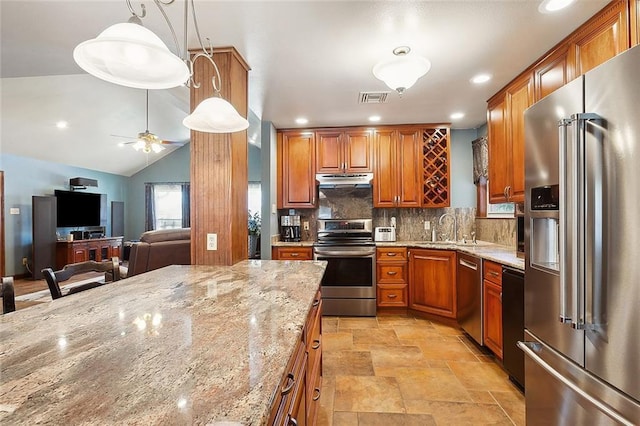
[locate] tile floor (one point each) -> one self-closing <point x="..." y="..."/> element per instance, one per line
<point x="396" y="370"/>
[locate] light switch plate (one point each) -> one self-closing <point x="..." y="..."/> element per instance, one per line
<point x="212" y="241"/>
<point x="305" y="225"/>
<point x="14" y="210"/>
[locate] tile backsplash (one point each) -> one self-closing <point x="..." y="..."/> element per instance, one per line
<point x="499" y="231"/>
<point x="357" y="203"/>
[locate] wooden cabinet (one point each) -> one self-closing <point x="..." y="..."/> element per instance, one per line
<point x="291" y="253"/>
<point x="297" y="399"/>
<point x="635" y="22"/>
<point x="98" y="249"/>
<point x="492" y="318"/>
<point x="296" y="169"/>
<point x="602" y="37"/>
<point x="313" y="340"/>
<point x="551" y="73"/>
<point x="391" y="274"/>
<point x="432" y="281"/>
<point x="397" y="180"/>
<point x="506" y="141"/>
<point x="435" y="167"/>
<point x="290" y="397"/>
<point x="599" y="39"/>
<point x="344" y="151"/>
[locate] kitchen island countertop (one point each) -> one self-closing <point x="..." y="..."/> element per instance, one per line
<point x="178" y="345"/>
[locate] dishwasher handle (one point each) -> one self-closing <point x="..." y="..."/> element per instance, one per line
<point x="468" y="264"/>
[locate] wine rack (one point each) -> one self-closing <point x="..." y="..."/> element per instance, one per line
<point x="435" y="164"/>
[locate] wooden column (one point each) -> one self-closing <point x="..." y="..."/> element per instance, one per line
<point x="219" y="167"/>
<point x="2" y="247"/>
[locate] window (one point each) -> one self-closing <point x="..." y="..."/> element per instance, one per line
<point x="166" y="205"/>
<point x="254" y="197"/>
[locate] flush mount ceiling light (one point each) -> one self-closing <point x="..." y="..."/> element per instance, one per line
<point x="130" y="55"/>
<point x="456" y="116"/>
<point x="403" y="70"/>
<point x="550" y="6"/>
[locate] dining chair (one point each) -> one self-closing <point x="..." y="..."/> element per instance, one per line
<point x="54" y="278"/>
<point x="8" y="295"/>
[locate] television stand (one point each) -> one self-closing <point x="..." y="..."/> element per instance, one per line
<point x="97" y="249"/>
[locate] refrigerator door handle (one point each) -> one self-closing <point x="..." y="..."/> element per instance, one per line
<point x="593" y="238"/>
<point x="564" y="317"/>
<point x="530" y="349"/>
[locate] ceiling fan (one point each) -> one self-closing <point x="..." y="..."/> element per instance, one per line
<point x="146" y="141"/>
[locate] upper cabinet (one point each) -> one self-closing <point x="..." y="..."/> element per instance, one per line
<point x="397" y="177"/>
<point x="551" y="73"/>
<point x="435" y="167"/>
<point x="344" y="151"/>
<point x="600" y="39"/>
<point x="296" y="169"/>
<point x="506" y="141"/>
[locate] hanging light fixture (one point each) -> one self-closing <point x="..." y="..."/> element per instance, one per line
<point x="130" y="55"/>
<point x="403" y="70"/>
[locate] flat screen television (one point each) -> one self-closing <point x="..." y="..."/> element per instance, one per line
<point x="76" y="209"/>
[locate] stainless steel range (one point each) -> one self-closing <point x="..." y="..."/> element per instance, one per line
<point x="349" y="283"/>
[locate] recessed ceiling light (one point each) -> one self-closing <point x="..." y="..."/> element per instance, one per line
<point x="301" y="120"/>
<point x="62" y="124"/>
<point x="550" y="6"/>
<point x="374" y="118"/>
<point x="481" y="78"/>
<point x="456" y="115"/>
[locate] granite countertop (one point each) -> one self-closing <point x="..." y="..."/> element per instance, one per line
<point x="293" y="244"/>
<point x="483" y="249"/>
<point x="179" y="345"/>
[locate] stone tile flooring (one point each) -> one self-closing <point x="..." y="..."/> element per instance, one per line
<point x="396" y="370"/>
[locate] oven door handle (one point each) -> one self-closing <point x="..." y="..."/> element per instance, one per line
<point x="338" y="253"/>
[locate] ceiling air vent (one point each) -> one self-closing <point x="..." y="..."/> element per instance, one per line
<point x="372" y="97"/>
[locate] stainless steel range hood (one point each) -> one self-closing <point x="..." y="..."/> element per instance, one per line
<point x="353" y="180"/>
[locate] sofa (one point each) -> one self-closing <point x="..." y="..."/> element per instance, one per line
<point x="160" y="248"/>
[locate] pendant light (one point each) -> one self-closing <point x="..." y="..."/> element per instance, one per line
<point x="129" y="54"/>
<point x="403" y="70"/>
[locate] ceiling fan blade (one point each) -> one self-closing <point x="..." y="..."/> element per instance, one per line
<point x="122" y="136"/>
<point x="178" y="143"/>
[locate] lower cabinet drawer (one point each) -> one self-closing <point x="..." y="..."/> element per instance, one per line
<point x="392" y="273"/>
<point x="392" y="295"/>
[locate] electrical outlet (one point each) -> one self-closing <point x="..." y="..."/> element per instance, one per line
<point x="25" y="261"/>
<point x="427" y="225"/>
<point x="393" y="221"/>
<point x="305" y="225"/>
<point x="212" y="241"/>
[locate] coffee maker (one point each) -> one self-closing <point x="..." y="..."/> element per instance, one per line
<point x="290" y="228"/>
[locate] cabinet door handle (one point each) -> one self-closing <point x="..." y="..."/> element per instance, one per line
<point x="391" y="254"/>
<point x="493" y="273"/>
<point x="316" y="396"/>
<point x="288" y="388"/>
<point x="316" y="344"/>
<point x="392" y="273"/>
<point x="500" y="297"/>
<point x="293" y="422"/>
<point x="316" y="303"/>
<point x="295" y="254"/>
<point x="392" y="296"/>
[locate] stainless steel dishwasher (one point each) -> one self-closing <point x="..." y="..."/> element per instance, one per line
<point x="469" y="296"/>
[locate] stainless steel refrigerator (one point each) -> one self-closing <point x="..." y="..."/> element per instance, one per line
<point x="582" y="253"/>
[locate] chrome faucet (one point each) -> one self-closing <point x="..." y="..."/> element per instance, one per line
<point x="455" y="224"/>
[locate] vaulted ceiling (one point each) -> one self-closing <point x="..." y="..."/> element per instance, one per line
<point x="307" y="58"/>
